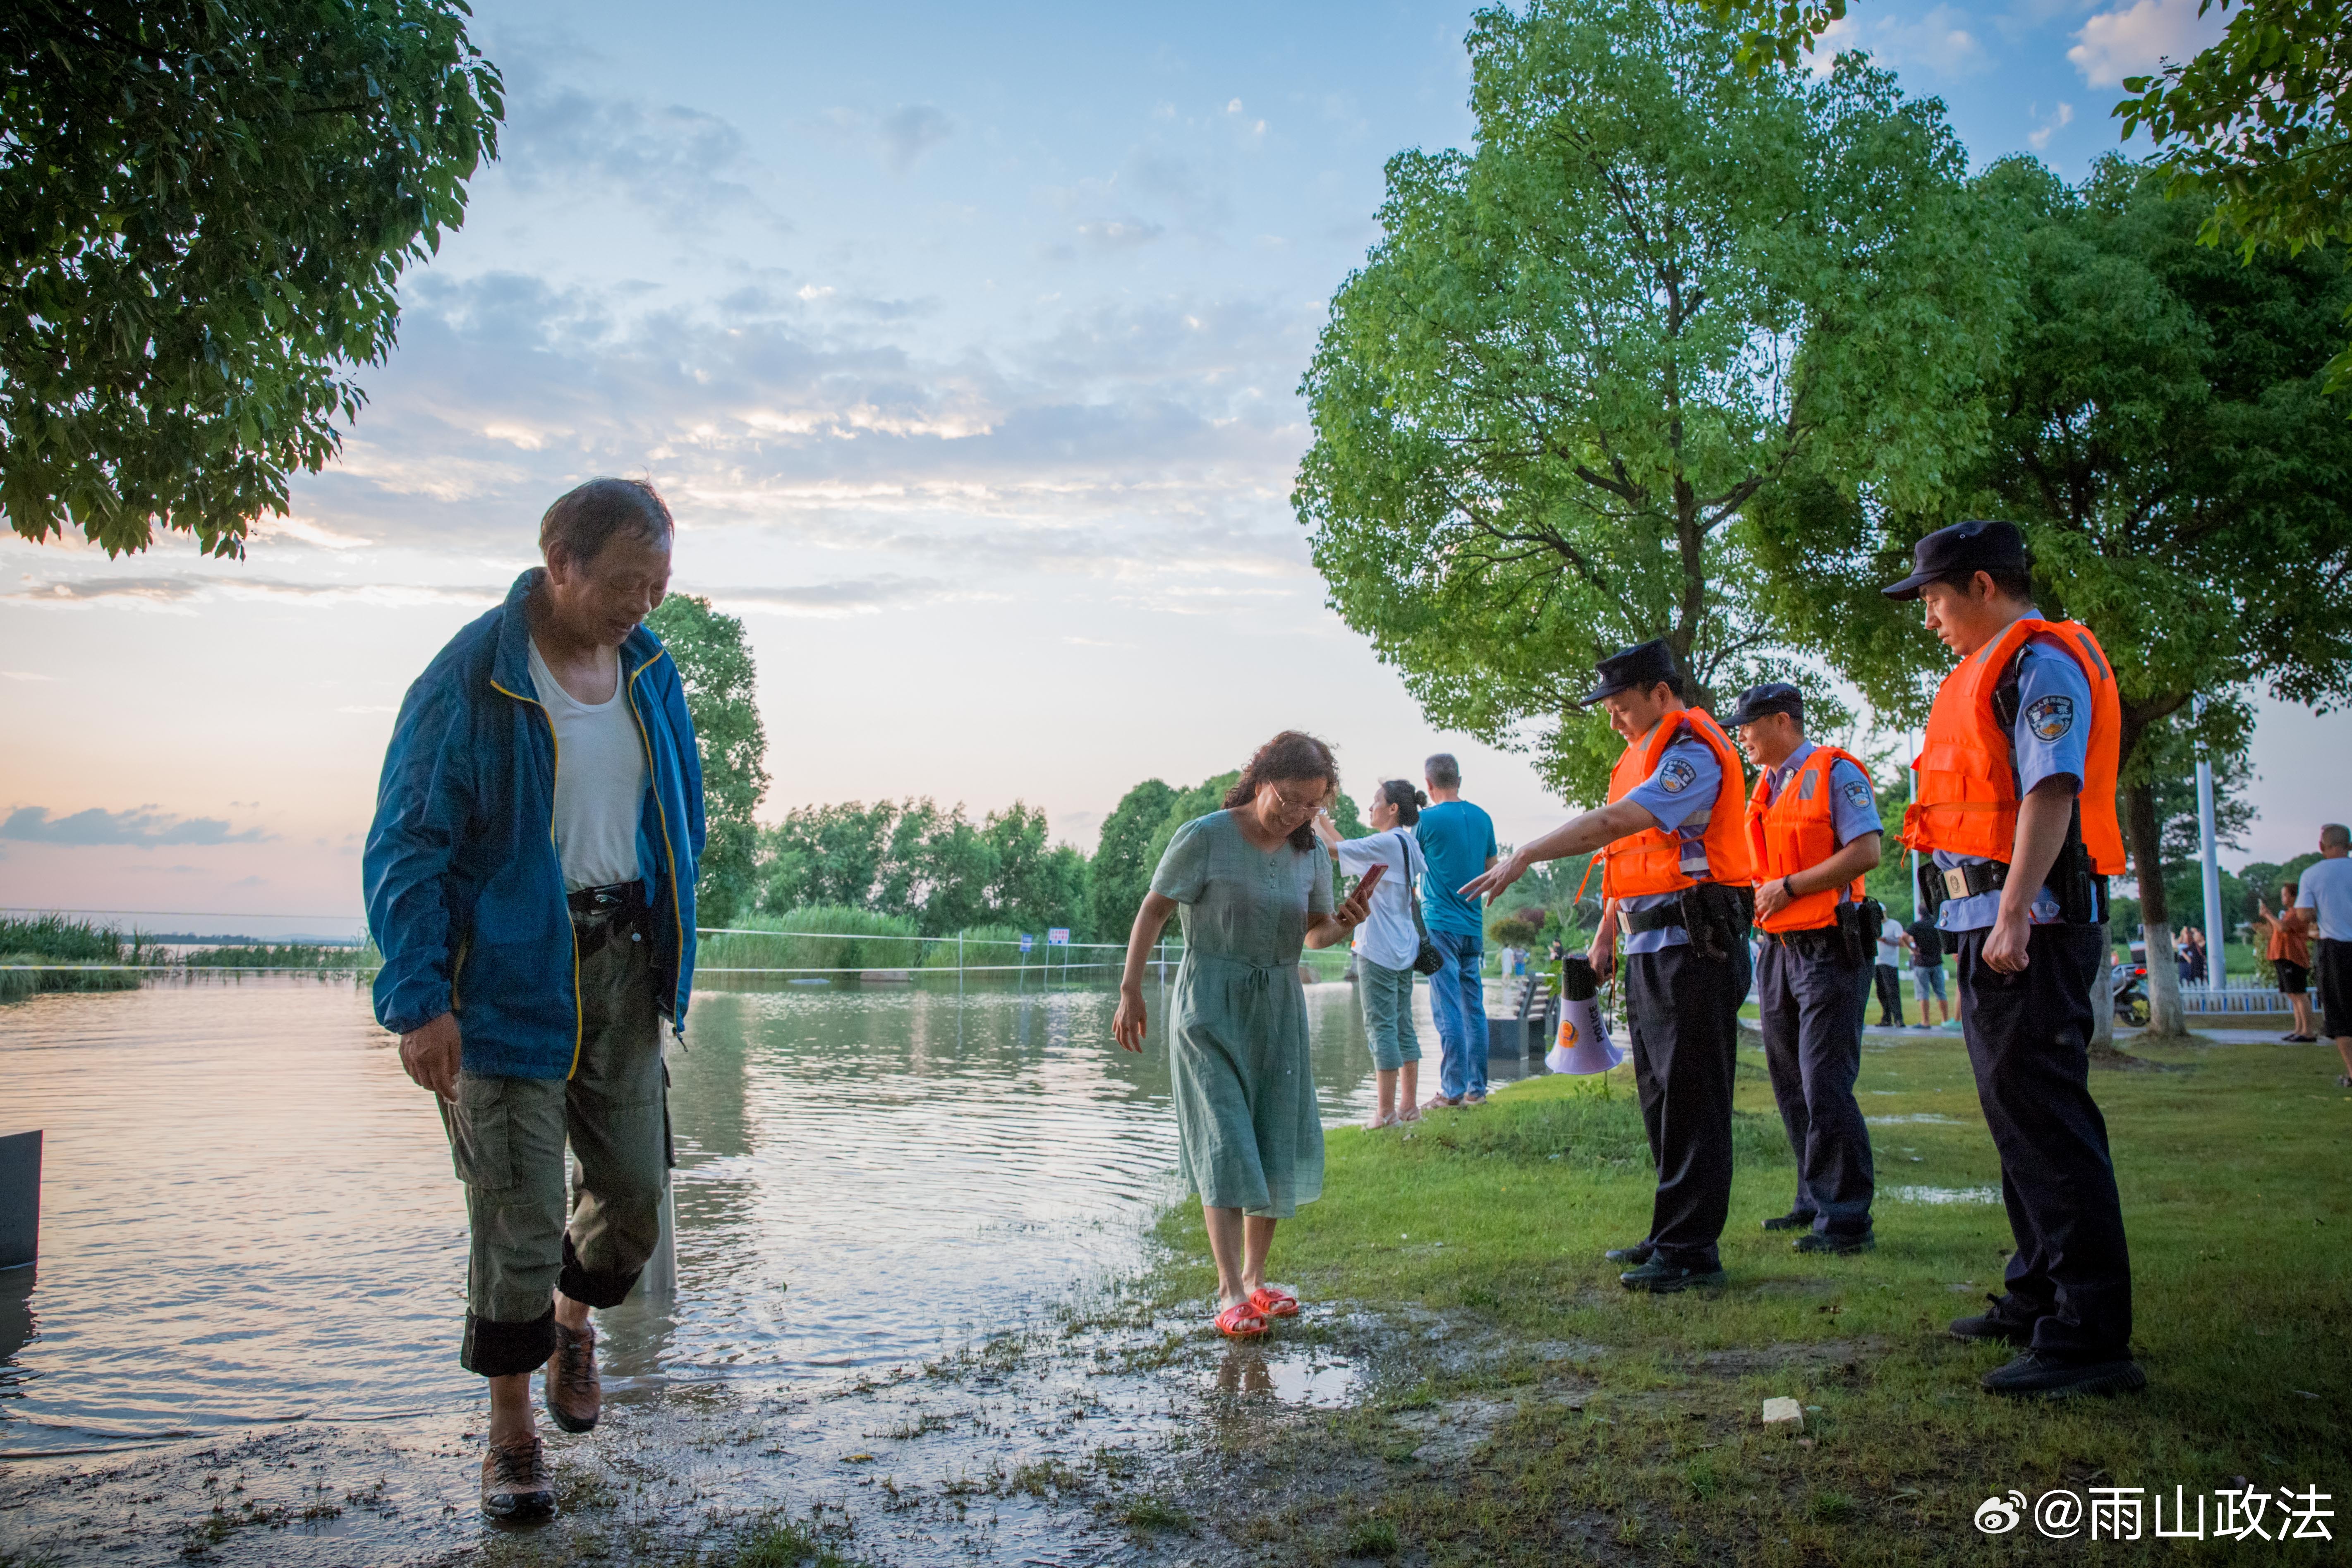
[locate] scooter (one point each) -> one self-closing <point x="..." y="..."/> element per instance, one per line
<point x="2130" y="984"/>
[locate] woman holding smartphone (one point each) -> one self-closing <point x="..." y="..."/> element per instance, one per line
<point x="1254" y="885"/>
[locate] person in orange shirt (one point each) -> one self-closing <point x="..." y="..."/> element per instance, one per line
<point x="1813" y="832"/>
<point x="1677" y="880"/>
<point x="2290" y="954"/>
<point x="2014" y="820"/>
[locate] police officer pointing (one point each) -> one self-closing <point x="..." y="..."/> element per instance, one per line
<point x="2015" y="818"/>
<point x="1813" y="832"/>
<point x="1677" y="879"/>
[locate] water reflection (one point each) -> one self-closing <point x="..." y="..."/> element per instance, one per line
<point x="250" y="1212"/>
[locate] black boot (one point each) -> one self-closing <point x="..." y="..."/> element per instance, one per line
<point x="1637" y="1254"/>
<point x="1662" y="1278"/>
<point x="1995" y="1327"/>
<point x="1795" y="1219"/>
<point x="2036" y="1374"/>
<point x="1835" y="1243"/>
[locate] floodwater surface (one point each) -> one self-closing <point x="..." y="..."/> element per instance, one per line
<point x="249" y="1216"/>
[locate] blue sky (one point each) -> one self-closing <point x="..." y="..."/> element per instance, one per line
<point x="964" y="345"/>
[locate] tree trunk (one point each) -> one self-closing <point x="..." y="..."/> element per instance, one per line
<point x="2164" y="1014"/>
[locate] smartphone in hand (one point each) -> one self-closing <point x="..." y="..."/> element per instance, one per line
<point x="1372" y="878"/>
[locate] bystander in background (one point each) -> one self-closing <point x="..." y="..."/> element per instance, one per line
<point x="1925" y="944"/>
<point x="1886" y="976"/>
<point x="2322" y="905"/>
<point x="1458" y="840"/>
<point x="2289" y="951"/>
<point x="1387" y="942"/>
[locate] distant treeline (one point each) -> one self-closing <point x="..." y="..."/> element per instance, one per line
<point x="55" y="953"/>
<point x="941" y="872"/>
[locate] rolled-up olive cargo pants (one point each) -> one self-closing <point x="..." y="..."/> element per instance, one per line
<point x="507" y="1137"/>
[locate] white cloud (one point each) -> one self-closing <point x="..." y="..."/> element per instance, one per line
<point x="2039" y="137"/>
<point x="2114" y="45"/>
<point x="1943" y="42"/>
<point x="144" y="826"/>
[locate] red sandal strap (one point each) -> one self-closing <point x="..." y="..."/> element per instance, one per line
<point x="1242" y="1320"/>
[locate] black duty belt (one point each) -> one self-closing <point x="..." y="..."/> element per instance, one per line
<point x="1659" y="919"/>
<point x="1968" y="881"/>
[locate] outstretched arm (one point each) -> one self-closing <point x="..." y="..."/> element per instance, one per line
<point x="1577" y="835"/>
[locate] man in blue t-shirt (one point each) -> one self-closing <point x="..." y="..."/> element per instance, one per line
<point x="1458" y="840"/>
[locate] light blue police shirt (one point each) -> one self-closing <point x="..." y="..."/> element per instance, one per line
<point x="1684" y="784"/>
<point x="2052" y="738"/>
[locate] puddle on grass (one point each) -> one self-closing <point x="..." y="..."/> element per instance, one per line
<point x="1291" y="1377"/>
<point x="1920" y="1118"/>
<point x="242" y="1333"/>
<point x="1944" y="1194"/>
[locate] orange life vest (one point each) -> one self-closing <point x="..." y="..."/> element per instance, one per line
<point x="1796" y="833"/>
<point x="1652" y="861"/>
<point x="1966" y="801"/>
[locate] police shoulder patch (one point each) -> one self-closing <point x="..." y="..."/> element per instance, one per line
<point x="2049" y="718"/>
<point x="1856" y="794"/>
<point x="1676" y="776"/>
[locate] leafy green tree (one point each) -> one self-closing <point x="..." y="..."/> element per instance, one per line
<point x="722" y="693"/>
<point x="1038" y="885"/>
<point x="1771" y="32"/>
<point x="938" y="868"/>
<point x="1121" y="873"/>
<point x="1578" y="355"/>
<point x="2253" y="127"/>
<point x="825" y="855"/>
<point x="2160" y="431"/>
<point x="205" y="209"/>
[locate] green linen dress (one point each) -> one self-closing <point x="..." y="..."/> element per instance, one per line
<point x="1248" y="1132"/>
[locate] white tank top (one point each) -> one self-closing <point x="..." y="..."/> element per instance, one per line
<point x="600" y="782"/>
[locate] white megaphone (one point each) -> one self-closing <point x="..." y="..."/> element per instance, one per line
<point x="1583" y="1046"/>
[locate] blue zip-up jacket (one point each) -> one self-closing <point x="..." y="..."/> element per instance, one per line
<point x="465" y="895"/>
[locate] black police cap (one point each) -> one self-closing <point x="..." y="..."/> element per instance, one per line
<point x="1638" y="667"/>
<point x="1976" y="546"/>
<point x="1772" y="697"/>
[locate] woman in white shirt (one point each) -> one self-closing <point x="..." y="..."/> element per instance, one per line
<point x="1388" y="941"/>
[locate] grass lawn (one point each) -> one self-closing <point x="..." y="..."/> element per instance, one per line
<point x="1605" y="1425"/>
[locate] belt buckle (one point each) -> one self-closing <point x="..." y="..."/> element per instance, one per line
<point x="1955" y="881"/>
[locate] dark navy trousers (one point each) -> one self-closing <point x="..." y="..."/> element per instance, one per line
<point x="1684" y="1011"/>
<point x="1809" y="1011"/>
<point x="2029" y="1040"/>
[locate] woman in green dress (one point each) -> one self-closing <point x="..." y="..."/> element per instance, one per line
<point x="1255" y="885"/>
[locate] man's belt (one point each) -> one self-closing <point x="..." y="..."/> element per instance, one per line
<point x="593" y="905"/>
<point x="600" y="915"/>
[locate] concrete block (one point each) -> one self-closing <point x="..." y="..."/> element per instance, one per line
<point x="20" y="1199"/>
<point x="1784" y="1415"/>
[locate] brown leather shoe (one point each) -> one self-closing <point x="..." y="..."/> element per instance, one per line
<point x="516" y="1482"/>
<point x="574" y="1396"/>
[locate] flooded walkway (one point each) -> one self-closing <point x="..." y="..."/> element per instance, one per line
<point x="253" y="1256"/>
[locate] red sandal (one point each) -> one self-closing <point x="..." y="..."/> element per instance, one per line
<point x="1274" y="1303"/>
<point x="1242" y="1320"/>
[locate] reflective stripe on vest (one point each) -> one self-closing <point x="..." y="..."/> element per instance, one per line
<point x="1966" y="798"/>
<point x="1656" y="860"/>
<point x="1796" y="833"/>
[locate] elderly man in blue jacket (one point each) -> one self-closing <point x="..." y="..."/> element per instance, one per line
<point x="530" y="881"/>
